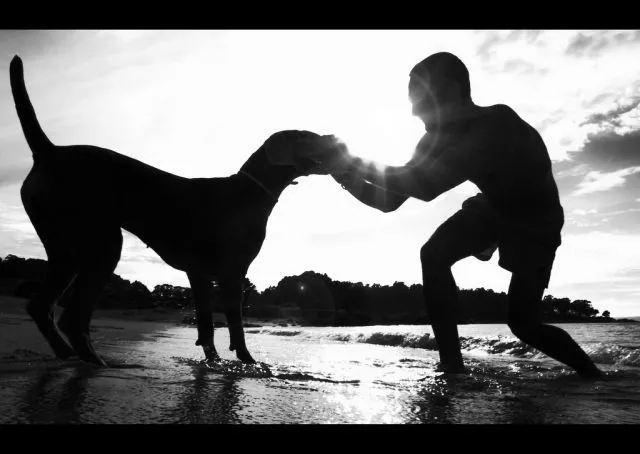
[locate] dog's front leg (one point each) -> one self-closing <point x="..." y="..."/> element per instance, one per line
<point x="202" y="289"/>
<point x="231" y="294"/>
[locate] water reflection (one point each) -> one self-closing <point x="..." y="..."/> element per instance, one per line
<point x="433" y="402"/>
<point x="56" y="395"/>
<point x="453" y="399"/>
<point x="208" y="399"/>
<point x="520" y="409"/>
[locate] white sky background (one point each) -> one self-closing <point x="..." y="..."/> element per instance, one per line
<point x="199" y="103"/>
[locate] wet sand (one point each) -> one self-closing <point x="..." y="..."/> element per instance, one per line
<point x="305" y="375"/>
<point x="146" y="384"/>
<point x="157" y="374"/>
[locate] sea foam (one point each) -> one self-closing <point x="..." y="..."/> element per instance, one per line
<point x="612" y="354"/>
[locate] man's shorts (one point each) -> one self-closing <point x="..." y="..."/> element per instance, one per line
<point x="525" y="245"/>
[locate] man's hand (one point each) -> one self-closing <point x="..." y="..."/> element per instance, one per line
<point x="338" y="159"/>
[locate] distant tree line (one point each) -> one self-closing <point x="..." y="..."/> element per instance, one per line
<point x="24" y="277"/>
<point x="310" y="298"/>
<point x="319" y="300"/>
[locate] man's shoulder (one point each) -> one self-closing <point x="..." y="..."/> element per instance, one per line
<point x="497" y="122"/>
<point x="499" y="113"/>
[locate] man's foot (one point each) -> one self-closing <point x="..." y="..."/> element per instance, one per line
<point x="451" y="368"/>
<point x="591" y="373"/>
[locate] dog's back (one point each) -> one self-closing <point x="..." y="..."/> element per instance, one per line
<point x="80" y="197"/>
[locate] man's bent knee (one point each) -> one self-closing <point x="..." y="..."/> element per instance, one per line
<point x="434" y="257"/>
<point x="524" y="330"/>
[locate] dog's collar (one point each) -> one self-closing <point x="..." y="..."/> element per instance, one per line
<point x="259" y="183"/>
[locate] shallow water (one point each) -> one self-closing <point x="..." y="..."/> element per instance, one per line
<point x="379" y="374"/>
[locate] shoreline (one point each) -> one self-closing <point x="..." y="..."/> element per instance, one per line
<point x="16" y="306"/>
<point x="13" y="305"/>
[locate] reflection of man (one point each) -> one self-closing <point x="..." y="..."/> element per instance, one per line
<point x="518" y="210"/>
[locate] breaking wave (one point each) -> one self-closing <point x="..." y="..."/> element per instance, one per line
<point x="497" y="345"/>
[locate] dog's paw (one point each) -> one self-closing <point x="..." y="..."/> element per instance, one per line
<point x="210" y="353"/>
<point x="245" y="357"/>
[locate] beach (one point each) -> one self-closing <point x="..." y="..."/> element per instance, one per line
<point x="309" y="375"/>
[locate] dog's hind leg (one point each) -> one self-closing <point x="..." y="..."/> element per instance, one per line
<point x="95" y="266"/>
<point x="55" y="236"/>
<point x="231" y="294"/>
<point x="202" y="289"/>
<point x="41" y="307"/>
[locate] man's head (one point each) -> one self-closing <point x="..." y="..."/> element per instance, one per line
<point x="438" y="85"/>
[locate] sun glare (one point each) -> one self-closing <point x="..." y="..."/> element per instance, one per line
<point x="387" y="137"/>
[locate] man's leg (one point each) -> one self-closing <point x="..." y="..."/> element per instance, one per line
<point x="462" y="235"/>
<point x="525" y="297"/>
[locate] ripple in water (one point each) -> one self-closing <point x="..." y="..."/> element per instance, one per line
<point x="233" y="368"/>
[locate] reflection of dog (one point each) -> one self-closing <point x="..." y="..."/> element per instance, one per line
<point x="79" y="197"/>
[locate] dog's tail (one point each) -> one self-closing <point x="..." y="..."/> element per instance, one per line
<point x="36" y="138"/>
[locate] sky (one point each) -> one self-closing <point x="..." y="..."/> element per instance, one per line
<point x="199" y="103"/>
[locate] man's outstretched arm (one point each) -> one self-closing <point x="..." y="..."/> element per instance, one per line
<point x="424" y="181"/>
<point x="369" y="194"/>
<point x="429" y="173"/>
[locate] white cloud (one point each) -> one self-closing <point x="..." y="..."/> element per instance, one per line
<point x="618" y="212"/>
<point x="579" y="170"/>
<point x="15" y="223"/>
<point x="596" y="256"/>
<point x="581" y="212"/>
<point x="592" y="266"/>
<point x="596" y="181"/>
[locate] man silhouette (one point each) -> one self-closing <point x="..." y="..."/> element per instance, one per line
<point x="517" y="211"/>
